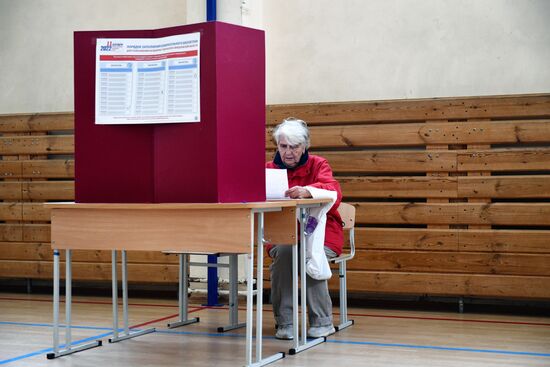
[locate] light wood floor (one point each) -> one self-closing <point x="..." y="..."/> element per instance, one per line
<point x="378" y="338"/>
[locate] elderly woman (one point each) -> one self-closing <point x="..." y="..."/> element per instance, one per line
<point x="304" y="170"/>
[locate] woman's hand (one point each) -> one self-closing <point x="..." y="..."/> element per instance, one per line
<point x="298" y="192"/>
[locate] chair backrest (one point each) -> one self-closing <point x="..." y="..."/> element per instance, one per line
<point x="347" y="212"/>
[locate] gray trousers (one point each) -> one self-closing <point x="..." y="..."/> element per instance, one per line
<point x="319" y="304"/>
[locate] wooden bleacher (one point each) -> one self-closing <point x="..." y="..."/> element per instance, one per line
<point x="452" y="194"/>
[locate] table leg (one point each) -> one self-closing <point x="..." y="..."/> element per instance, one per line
<point x="304" y="343"/>
<point x="303" y="290"/>
<point x="114" y="287"/>
<point x="259" y="361"/>
<point x="56" y="302"/>
<point x="69" y="349"/>
<point x="126" y="334"/>
<point x="233" y="296"/>
<point x="259" y="286"/>
<point x="183" y="301"/>
<point x="295" y="314"/>
<point x="249" y="306"/>
<point x="68" y="297"/>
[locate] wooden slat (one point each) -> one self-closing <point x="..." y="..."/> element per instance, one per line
<point x="10" y="169"/>
<point x="490" y="240"/>
<point x="32" y="251"/>
<point x="362" y="136"/>
<point x="406" y="213"/>
<point x="525" y="106"/>
<point x="11" y="190"/>
<point x="52" y="168"/>
<point x="537" y="186"/>
<point x="36" y="232"/>
<point x="11" y="232"/>
<point x="533" y="287"/>
<point x="36" y="190"/>
<point x="406" y="239"/>
<point x="36" y="122"/>
<point x="146" y="273"/>
<point x="11" y="211"/>
<point x="48" y="190"/>
<point x="514" y="214"/>
<point x="415" y="134"/>
<point x="35" y="212"/>
<point x="505" y="160"/>
<point x="501" y="241"/>
<point x="391" y="161"/>
<point x="485" y="132"/>
<point x="398" y="187"/>
<point x="25" y="232"/>
<point x="47" y="144"/>
<point x="452" y="262"/>
<point x="24" y="211"/>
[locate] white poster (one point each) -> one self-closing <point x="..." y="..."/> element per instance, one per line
<point x="148" y="80"/>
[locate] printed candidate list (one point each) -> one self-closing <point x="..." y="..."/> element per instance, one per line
<point x="150" y="80"/>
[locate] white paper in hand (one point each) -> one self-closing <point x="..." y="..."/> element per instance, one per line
<point x="276" y="183"/>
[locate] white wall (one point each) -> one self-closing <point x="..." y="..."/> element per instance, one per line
<point x="317" y="50"/>
<point x="321" y="50"/>
<point x="36" y="54"/>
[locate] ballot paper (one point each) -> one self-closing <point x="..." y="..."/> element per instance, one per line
<point x="276" y="183"/>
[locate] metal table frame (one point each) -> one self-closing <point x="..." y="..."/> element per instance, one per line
<point x="300" y="341"/>
<point x="256" y="360"/>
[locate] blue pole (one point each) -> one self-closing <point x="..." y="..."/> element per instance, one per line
<point x="212" y="282"/>
<point x="212" y="259"/>
<point x="210" y="10"/>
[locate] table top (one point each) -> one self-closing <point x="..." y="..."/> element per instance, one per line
<point x="175" y="206"/>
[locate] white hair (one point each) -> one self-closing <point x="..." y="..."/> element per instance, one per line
<point x="294" y="130"/>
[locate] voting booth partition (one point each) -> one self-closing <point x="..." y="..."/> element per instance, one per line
<point x="217" y="159"/>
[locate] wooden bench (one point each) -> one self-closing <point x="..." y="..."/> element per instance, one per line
<point x="452" y="195"/>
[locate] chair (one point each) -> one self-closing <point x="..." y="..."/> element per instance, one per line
<point x="347" y="212"/>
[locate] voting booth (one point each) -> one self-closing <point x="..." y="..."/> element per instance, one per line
<point x="147" y="156"/>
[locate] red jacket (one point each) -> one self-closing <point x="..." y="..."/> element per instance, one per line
<point x="316" y="172"/>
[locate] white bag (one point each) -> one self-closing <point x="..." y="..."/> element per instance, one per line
<point x="317" y="265"/>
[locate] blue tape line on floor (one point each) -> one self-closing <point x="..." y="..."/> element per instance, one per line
<point x="48" y="350"/>
<point x="352" y="342"/>
<point x="473" y="350"/>
<point x="412" y="346"/>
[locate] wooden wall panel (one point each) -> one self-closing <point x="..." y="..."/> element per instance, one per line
<point x="453" y="262"/>
<point x="42" y="122"/>
<point x="468" y="285"/>
<point x="533" y="159"/>
<point x="53" y="169"/>
<point x="451" y="194"/>
<point x="504" y="241"/>
<point x="518" y="186"/>
<point x="513" y="214"/>
<point x="390" y="161"/>
<point x="371" y="238"/>
<point x="398" y="186"/>
<point x="28" y="232"/>
<point x="420" y="134"/>
<point x="36" y="145"/>
<point x="24" y="251"/>
<point x="88" y="271"/>
<point x="497" y="107"/>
